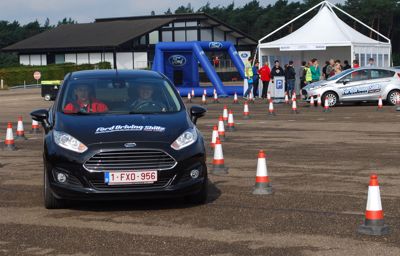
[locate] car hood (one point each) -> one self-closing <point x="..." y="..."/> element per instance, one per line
<point x="90" y="129"/>
<point x="315" y="84"/>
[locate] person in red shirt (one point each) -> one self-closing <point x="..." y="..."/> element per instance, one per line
<point x="265" y="75"/>
<point x="85" y="102"/>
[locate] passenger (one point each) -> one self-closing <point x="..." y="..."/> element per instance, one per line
<point x="84" y="101"/>
<point x="145" y="99"/>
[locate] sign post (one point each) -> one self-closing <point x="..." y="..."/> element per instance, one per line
<point x="37" y="76"/>
<point x="278" y="89"/>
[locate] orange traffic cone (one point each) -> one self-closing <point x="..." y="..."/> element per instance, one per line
<point x="235" y="99"/>
<point x="221" y="129"/>
<point x="294" y="106"/>
<point x="312" y="103"/>
<point x="9" y="143"/>
<point x="192" y="93"/>
<point x="189" y="98"/>
<point x="380" y="103"/>
<point x="20" y="135"/>
<point x="246" y="113"/>
<point x="231" y="122"/>
<point x="326" y="105"/>
<point x="294" y="96"/>
<point x="214" y="136"/>
<point x="35" y="127"/>
<point x="374" y="222"/>
<point x="319" y="102"/>
<point x="271" y="109"/>
<point x="215" y="97"/>
<point x="203" y="100"/>
<point x="218" y="161"/>
<point x="286" y="98"/>
<point x="263" y="185"/>
<point x="225" y="114"/>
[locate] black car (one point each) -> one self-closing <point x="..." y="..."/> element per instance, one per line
<point x="121" y="135"/>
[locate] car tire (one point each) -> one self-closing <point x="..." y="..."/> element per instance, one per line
<point x="391" y="97"/>
<point x="200" y="197"/>
<point x="333" y="98"/>
<point x="50" y="202"/>
<point x="47" y="97"/>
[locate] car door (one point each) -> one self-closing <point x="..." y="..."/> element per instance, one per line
<point x="352" y="87"/>
<point x="379" y="78"/>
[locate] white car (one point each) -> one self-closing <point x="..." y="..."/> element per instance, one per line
<point x="361" y="84"/>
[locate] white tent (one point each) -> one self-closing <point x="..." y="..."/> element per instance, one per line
<point x="325" y="36"/>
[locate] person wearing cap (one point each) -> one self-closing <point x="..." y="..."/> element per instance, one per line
<point x="84" y="101"/>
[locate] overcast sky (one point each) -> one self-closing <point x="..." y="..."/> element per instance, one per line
<point x="25" y="11"/>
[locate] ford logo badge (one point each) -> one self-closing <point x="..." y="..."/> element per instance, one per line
<point x="244" y="55"/>
<point x="215" y="45"/>
<point x="130" y="145"/>
<point x="177" y="60"/>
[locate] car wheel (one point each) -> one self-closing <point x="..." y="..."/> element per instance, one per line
<point x="47" y="97"/>
<point x="50" y="202"/>
<point x="333" y="98"/>
<point x="392" y="97"/>
<point x="200" y="197"/>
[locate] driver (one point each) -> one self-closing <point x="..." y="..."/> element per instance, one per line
<point x="146" y="100"/>
<point x="85" y="102"/>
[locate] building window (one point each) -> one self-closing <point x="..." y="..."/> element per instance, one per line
<point x="179" y="24"/>
<point x="206" y="35"/>
<point x="153" y="37"/>
<point x="60" y="58"/>
<point x="191" y="35"/>
<point x="191" y="23"/>
<point x="218" y="35"/>
<point x="180" y="36"/>
<point x="167" y="36"/>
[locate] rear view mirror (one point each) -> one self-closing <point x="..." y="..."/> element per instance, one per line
<point x="42" y="115"/>
<point x="197" y="112"/>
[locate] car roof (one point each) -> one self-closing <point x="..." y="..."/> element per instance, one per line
<point x="114" y="73"/>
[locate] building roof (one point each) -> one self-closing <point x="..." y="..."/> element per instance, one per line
<point x="324" y="29"/>
<point x="109" y="33"/>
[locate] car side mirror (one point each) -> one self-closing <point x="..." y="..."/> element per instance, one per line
<point x="345" y="81"/>
<point x="41" y="115"/>
<point x="197" y="112"/>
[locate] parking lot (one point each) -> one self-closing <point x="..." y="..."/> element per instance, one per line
<point x="319" y="165"/>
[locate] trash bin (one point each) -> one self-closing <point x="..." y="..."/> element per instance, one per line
<point x="50" y="89"/>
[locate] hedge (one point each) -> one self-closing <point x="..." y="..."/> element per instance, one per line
<point x="18" y="75"/>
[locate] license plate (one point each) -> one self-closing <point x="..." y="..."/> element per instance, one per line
<point x="130" y="177"/>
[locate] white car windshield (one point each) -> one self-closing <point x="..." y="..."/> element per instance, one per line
<point x="339" y="75"/>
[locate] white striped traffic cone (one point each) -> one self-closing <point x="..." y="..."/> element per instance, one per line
<point x="268" y="96"/>
<point x="319" y="102"/>
<point x="218" y="160"/>
<point x="215" y="97"/>
<point x="294" y="106"/>
<point x="312" y="103"/>
<point x="286" y="98"/>
<point x="246" y="112"/>
<point x="20" y="134"/>
<point x="235" y="99"/>
<point x="271" y="109"/>
<point x="380" y="103"/>
<point x="221" y="129"/>
<point x="225" y="114"/>
<point x="9" y="143"/>
<point x="251" y="97"/>
<point x="204" y="92"/>
<point x="326" y="105"/>
<point x="231" y="122"/>
<point x="35" y="127"/>
<point x="294" y="96"/>
<point x="263" y="184"/>
<point x="214" y="91"/>
<point x="189" y="98"/>
<point x="214" y="136"/>
<point x="203" y="100"/>
<point x="192" y="93"/>
<point x="374" y="222"/>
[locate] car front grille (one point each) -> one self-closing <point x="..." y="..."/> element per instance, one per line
<point x="130" y="160"/>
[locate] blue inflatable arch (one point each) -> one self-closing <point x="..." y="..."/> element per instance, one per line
<point x="182" y="58"/>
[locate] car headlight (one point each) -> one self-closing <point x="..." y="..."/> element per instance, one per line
<point x="185" y="139"/>
<point x="66" y="141"/>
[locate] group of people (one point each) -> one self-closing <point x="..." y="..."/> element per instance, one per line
<point x="309" y="72"/>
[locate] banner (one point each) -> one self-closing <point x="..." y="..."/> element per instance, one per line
<point x="278" y="88"/>
<point x="244" y="55"/>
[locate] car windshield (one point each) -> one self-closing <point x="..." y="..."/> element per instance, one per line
<point x="123" y="96"/>
<point x="345" y="72"/>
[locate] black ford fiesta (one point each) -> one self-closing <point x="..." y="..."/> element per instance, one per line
<point x="121" y="135"/>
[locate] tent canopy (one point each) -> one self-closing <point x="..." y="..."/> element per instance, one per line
<point x="324" y="29"/>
